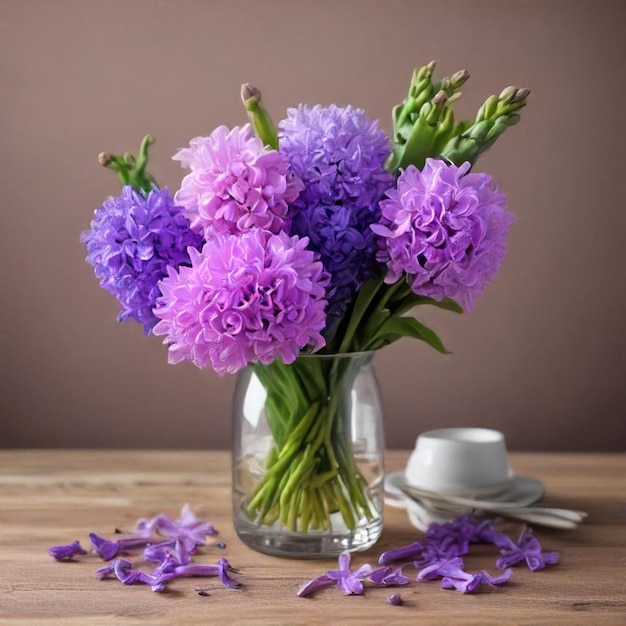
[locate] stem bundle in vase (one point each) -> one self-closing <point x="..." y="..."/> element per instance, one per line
<point x="311" y="471"/>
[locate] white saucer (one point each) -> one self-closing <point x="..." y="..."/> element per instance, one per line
<point x="518" y="491"/>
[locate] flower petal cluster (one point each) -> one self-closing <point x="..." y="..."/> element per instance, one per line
<point x="339" y="155"/>
<point x="439" y="555"/>
<point x="246" y="298"/>
<point x="235" y="183"/>
<point x="446" y="229"/>
<point x="171" y="556"/>
<point x="132" y="241"/>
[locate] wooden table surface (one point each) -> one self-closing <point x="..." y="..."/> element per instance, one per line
<point x="55" y="497"/>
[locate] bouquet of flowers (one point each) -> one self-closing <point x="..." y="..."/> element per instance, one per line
<point x="317" y="235"/>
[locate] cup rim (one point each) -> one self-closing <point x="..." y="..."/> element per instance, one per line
<point x="463" y="434"/>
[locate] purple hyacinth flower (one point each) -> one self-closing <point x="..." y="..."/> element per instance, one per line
<point x="132" y="241"/>
<point x="527" y="548"/>
<point x="339" y="155"/>
<point x="67" y="552"/>
<point x="248" y="298"/>
<point x="235" y="183"/>
<point x="445" y="230"/>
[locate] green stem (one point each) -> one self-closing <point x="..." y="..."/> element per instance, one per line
<point x="311" y="473"/>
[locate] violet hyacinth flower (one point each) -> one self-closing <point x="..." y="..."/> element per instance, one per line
<point x="67" y="552"/>
<point x="445" y="230"/>
<point x="339" y="155"/>
<point x="235" y="183"/>
<point x="132" y="240"/>
<point x="527" y="548"/>
<point x="245" y="299"/>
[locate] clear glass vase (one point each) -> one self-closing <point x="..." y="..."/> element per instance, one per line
<point x="308" y="456"/>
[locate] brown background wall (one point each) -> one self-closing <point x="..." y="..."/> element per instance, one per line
<point x="542" y="356"/>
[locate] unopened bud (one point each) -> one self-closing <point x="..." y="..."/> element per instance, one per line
<point x="513" y="119"/>
<point x="458" y="78"/>
<point x="521" y="95"/>
<point x="104" y="158"/>
<point x="508" y="93"/>
<point x="249" y="92"/>
<point x="440" y="97"/>
<point x="260" y="118"/>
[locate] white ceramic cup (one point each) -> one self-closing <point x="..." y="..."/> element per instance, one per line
<point x="459" y="460"/>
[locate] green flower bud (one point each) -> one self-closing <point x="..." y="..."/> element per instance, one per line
<point x="459" y="78"/>
<point x="131" y="171"/>
<point x="260" y="118"/>
<point x="508" y="93"/>
<point x="520" y="95"/>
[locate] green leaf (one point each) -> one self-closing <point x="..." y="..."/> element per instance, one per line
<point x="363" y="300"/>
<point x="413" y="300"/>
<point x="397" y="327"/>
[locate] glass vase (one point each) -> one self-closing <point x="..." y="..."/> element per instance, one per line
<point x="308" y="456"/>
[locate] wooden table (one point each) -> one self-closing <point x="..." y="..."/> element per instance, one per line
<point x="55" y="497"/>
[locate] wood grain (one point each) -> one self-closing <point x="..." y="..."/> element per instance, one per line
<point x="55" y="497"/>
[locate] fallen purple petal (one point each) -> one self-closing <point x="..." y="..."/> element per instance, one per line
<point x="385" y="576"/>
<point x="348" y="582"/>
<point x="188" y="528"/>
<point x="105" y="549"/>
<point x="68" y="552"/>
<point x="497" y="580"/>
<point x="172" y="556"/>
<point x="171" y="551"/>
<point x="526" y="549"/>
<point x="405" y="553"/>
<point x="157" y="552"/>
<point x="312" y="586"/>
<point x="453" y="576"/>
<point x="225" y="579"/>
